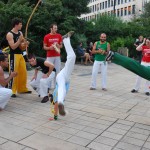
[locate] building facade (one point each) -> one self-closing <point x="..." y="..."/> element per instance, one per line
<point x="125" y="9"/>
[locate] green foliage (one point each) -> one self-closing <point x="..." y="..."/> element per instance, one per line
<point x="62" y="12"/>
<point x="119" y="42"/>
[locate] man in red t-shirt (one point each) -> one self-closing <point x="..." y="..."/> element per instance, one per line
<point x="145" y="48"/>
<point x="52" y="44"/>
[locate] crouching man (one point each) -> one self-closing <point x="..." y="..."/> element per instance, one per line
<point x="5" y="93"/>
<point x="43" y="75"/>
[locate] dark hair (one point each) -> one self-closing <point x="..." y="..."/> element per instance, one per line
<point x="30" y="56"/>
<point x="16" y="21"/>
<point x="53" y="24"/>
<point x="2" y="57"/>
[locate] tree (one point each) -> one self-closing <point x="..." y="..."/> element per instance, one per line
<point x="65" y="13"/>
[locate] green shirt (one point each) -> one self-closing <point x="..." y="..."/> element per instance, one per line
<point x="101" y="57"/>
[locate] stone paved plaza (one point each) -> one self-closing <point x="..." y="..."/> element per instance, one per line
<point x="97" y="120"/>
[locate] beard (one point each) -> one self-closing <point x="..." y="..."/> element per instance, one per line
<point x="102" y="40"/>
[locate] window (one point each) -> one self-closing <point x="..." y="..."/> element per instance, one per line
<point x="112" y="2"/>
<point x="133" y="9"/>
<point x="100" y="6"/>
<point x="118" y="12"/>
<point x="105" y="4"/>
<point x="97" y="7"/>
<point x="121" y="1"/>
<point x="121" y="12"/>
<point x="118" y="2"/>
<point x="129" y="10"/>
<point x="125" y="11"/>
<point x="108" y="3"/>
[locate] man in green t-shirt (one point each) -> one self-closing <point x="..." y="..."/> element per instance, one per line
<point x="100" y="49"/>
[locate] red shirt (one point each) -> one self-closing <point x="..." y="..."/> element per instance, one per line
<point x="50" y="39"/>
<point x="146" y="54"/>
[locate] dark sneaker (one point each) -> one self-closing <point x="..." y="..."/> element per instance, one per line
<point x="134" y="91"/>
<point x="104" y="89"/>
<point x="109" y="56"/>
<point x="27" y="92"/>
<point x="45" y="99"/>
<point x="147" y="93"/>
<point x="13" y="95"/>
<point x="92" y="88"/>
<point x="69" y="34"/>
<point x="61" y="109"/>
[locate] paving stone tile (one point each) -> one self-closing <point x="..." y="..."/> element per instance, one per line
<point x="87" y="118"/>
<point x="127" y="146"/>
<point x="99" y="146"/>
<point x="43" y="130"/>
<point x="98" y="126"/>
<point x="2" y="140"/>
<point x="68" y="130"/>
<point x="109" y="118"/>
<point x="28" y="125"/>
<point x="104" y="122"/>
<point x="28" y="148"/>
<point x="106" y="141"/>
<point x="11" y="145"/>
<point x="86" y="135"/>
<point x="145" y="149"/>
<point x="44" y="142"/>
<point x="133" y="141"/>
<point x="52" y="125"/>
<point x="79" y="140"/>
<point x="93" y="130"/>
<point x="76" y="126"/>
<point x="137" y="135"/>
<point x="80" y="121"/>
<point x="13" y="132"/>
<point x="117" y="130"/>
<point x="147" y="145"/>
<point x="139" y="119"/>
<point x="125" y="122"/>
<point x="112" y="135"/>
<point x="141" y="131"/>
<point x="142" y="126"/>
<point x="121" y="126"/>
<point x="106" y="112"/>
<point x="60" y="135"/>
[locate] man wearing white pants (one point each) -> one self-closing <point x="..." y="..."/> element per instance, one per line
<point x="43" y="75"/>
<point x="100" y="49"/>
<point x="63" y="77"/>
<point x="5" y="93"/>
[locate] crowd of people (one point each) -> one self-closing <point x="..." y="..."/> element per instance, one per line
<point x="48" y="73"/>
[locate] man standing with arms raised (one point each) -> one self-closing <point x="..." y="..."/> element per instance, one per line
<point x="52" y="44"/>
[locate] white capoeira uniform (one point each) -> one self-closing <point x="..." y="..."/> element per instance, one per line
<point x="63" y="77"/>
<point x="5" y="95"/>
<point x="40" y="84"/>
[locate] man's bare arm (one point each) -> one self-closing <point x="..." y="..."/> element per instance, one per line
<point x="11" y="40"/>
<point x="4" y="81"/>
